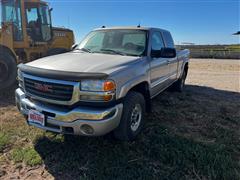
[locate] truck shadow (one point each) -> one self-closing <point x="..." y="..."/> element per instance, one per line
<point x="196" y="129"/>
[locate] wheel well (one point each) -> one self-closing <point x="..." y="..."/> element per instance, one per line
<point x="7" y="50"/>
<point x="143" y="88"/>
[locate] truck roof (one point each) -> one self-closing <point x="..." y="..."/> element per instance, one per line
<point x="130" y="27"/>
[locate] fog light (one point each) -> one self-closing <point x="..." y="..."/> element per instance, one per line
<point x="107" y="97"/>
<point x="96" y="98"/>
<point x="91" y="98"/>
<point x="86" y="129"/>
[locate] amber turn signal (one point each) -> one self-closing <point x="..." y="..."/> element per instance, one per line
<point x="109" y="86"/>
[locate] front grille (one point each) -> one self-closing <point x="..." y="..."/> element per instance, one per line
<point x="48" y="90"/>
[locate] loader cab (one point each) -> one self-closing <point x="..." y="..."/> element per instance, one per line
<point x="28" y="18"/>
<point x="38" y="21"/>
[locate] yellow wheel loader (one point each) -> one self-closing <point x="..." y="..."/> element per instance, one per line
<point x="27" y="34"/>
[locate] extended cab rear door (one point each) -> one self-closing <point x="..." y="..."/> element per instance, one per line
<point x="173" y="62"/>
<point x="159" y="69"/>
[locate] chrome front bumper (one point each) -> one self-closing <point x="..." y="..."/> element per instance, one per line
<point x="80" y="120"/>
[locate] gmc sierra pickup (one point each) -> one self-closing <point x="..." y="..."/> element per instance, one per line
<point x="105" y="84"/>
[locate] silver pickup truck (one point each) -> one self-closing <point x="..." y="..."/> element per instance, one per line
<point x="105" y="84"/>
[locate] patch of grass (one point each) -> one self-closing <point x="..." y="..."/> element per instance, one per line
<point x="17" y="155"/>
<point x="156" y="153"/>
<point x="4" y="141"/>
<point x="27" y="155"/>
<point x="208" y="161"/>
<point x="2" y="159"/>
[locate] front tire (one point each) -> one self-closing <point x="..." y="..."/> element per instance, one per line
<point x="132" y="120"/>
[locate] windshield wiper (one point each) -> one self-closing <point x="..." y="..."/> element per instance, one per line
<point x="113" y="51"/>
<point x="85" y="50"/>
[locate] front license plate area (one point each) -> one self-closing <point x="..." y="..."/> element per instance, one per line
<point x="36" y="117"/>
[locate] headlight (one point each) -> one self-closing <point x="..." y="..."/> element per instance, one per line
<point x="97" y="90"/>
<point x="97" y="85"/>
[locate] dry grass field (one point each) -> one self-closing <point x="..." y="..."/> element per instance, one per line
<point x="213" y="51"/>
<point x="189" y="135"/>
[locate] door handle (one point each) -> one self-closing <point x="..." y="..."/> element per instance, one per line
<point x="168" y="61"/>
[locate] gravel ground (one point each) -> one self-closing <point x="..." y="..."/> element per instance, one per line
<point x="215" y="73"/>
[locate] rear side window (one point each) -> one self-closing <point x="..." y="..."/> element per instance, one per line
<point x="168" y="39"/>
<point x="157" y="42"/>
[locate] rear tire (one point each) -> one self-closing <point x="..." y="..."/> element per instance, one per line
<point x="132" y="120"/>
<point x="8" y="70"/>
<point x="180" y="84"/>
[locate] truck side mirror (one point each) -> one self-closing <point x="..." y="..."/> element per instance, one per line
<point x="164" y="53"/>
<point x="156" y="53"/>
<point x="168" y="53"/>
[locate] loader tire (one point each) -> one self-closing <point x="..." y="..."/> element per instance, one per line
<point x="8" y="70"/>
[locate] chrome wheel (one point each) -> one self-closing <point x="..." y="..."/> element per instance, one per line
<point x="136" y="117"/>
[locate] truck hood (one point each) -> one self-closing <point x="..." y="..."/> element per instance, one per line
<point x="84" y="62"/>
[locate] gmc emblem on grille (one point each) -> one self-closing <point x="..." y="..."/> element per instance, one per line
<point x="43" y="87"/>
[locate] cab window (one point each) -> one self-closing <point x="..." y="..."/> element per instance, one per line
<point x="33" y="23"/>
<point x="11" y="12"/>
<point x="157" y="41"/>
<point x="32" y="15"/>
<point x="46" y="23"/>
<point x="38" y="22"/>
<point x="168" y="39"/>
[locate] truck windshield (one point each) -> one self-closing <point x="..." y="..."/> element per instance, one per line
<point x="122" y="42"/>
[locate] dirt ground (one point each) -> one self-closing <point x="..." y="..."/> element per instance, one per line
<point x="218" y="74"/>
<point x="189" y="135"/>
